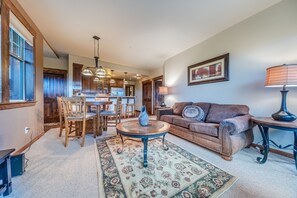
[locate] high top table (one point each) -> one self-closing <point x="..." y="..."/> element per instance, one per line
<point x="100" y="105"/>
<point x="134" y="130"/>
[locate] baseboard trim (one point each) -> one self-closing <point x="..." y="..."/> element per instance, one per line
<point x="272" y="150"/>
<point x="19" y="151"/>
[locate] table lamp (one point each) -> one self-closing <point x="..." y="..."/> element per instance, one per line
<point x="163" y="90"/>
<point x="282" y="76"/>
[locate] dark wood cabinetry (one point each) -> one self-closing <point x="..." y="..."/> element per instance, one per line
<point x="77" y="76"/>
<point x="86" y="84"/>
<point x="118" y="83"/>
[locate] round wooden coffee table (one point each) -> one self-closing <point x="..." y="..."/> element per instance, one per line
<point x="134" y="130"/>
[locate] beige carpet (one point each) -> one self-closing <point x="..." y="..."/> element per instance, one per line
<point x="58" y="172"/>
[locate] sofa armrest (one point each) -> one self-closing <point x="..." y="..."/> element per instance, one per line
<point x="160" y="112"/>
<point x="237" y="124"/>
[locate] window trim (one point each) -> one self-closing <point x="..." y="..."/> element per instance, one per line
<point x="6" y="7"/>
<point x="14" y="105"/>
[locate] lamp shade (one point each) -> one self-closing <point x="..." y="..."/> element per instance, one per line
<point x="87" y="72"/>
<point x="163" y="90"/>
<point x="282" y="75"/>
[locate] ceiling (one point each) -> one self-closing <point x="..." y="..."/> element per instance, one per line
<point x="136" y="33"/>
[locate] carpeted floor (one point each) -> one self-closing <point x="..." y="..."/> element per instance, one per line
<point x="56" y="171"/>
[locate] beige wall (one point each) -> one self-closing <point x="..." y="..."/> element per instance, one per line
<point x="13" y="122"/>
<point x="266" y="39"/>
<point x="55" y="63"/>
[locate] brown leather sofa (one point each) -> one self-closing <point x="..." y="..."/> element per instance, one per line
<point x="225" y="128"/>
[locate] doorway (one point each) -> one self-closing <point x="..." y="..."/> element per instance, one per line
<point x="158" y="99"/>
<point x="54" y="85"/>
<point x="147" y="95"/>
<point x="130" y="90"/>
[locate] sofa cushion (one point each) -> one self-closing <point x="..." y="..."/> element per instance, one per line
<point x="204" y="106"/>
<point x="168" y="118"/>
<point x="183" y="122"/>
<point x="193" y="112"/>
<point x="178" y="107"/>
<point x="211" y="129"/>
<point x="220" y="112"/>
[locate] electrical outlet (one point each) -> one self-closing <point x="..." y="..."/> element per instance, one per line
<point x="26" y="130"/>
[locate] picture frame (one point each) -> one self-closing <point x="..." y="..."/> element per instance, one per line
<point x="209" y="71"/>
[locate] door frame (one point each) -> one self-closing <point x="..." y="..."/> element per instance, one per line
<point x="155" y="90"/>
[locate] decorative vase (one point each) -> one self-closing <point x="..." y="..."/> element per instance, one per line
<point x="143" y="117"/>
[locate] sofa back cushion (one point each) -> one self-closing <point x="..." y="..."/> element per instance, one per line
<point x="178" y="107"/>
<point x="204" y="106"/>
<point x="220" y="112"/>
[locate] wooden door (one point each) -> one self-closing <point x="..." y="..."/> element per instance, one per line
<point x="158" y="99"/>
<point x="54" y="85"/>
<point x="147" y="95"/>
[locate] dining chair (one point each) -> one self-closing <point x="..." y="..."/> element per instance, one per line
<point x="61" y="115"/>
<point x="75" y="110"/>
<point x="110" y="118"/>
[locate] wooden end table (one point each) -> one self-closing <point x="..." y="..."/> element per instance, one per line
<point x="5" y="171"/>
<point x="134" y="130"/>
<point x="264" y="123"/>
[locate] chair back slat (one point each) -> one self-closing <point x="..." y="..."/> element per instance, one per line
<point x="74" y="106"/>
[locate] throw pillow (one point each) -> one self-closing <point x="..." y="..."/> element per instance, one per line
<point x="193" y="112"/>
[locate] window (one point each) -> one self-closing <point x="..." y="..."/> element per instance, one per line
<point x="17" y="70"/>
<point x="21" y="68"/>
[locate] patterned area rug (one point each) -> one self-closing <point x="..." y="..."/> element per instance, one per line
<point x="171" y="173"/>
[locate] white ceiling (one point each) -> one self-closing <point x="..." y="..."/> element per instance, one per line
<point x="136" y="33"/>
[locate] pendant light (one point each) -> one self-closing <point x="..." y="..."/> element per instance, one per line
<point x="87" y="72"/>
<point x="99" y="72"/>
<point x="125" y="81"/>
<point x="111" y="81"/>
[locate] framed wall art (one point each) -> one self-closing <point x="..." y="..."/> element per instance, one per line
<point x="209" y="71"/>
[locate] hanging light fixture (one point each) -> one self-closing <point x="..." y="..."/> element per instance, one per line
<point x="96" y="79"/>
<point x="111" y="81"/>
<point x="99" y="72"/>
<point x="125" y="81"/>
<point x="138" y="76"/>
<point x="87" y="72"/>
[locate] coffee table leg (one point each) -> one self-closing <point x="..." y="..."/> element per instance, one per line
<point x="165" y="147"/>
<point x="145" y="140"/>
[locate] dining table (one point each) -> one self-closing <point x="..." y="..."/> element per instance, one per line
<point x="100" y="105"/>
